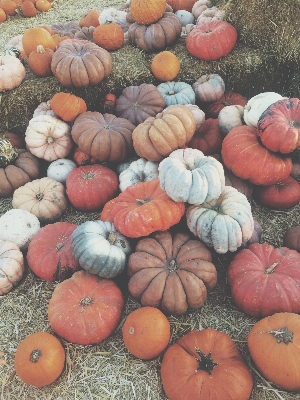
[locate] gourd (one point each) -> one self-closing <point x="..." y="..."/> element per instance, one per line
<point x="181" y="4"/>
<point x="12" y="72"/>
<point x="60" y="169"/>
<point x="11" y="266"/>
<point x="177" y="93"/>
<point x="14" y="139"/>
<point x="138" y="171"/>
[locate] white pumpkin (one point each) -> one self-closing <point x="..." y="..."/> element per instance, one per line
<point x="257" y="105"/>
<point x="230" y="117"/>
<point x="12" y="72"/>
<point x="19" y="227"/>
<point x="111" y="14"/>
<point x="138" y="171"/>
<point x="187" y="29"/>
<point x="185" y="17"/>
<point x="190" y="176"/>
<point x="198" y="114"/>
<point x="60" y="169"/>
<point x="11" y="266"/>
<point x="224" y="223"/>
<point x="210" y="14"/>
<point x="44" y="109"/>
<point x="48" y="137"/>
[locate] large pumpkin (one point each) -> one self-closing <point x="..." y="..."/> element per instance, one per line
<point x="265" y="280"/>
<point x="147" y="11"/>
<point x="11" y="266"/>
<point x="207" y="138"/>
<point x="49" y="253"/>
<point x="247" y="158"/>
<point x="103" y="136"/>
<point x="142" y="209"/>
<point x="85" y="309"/>
<point x="274" y="346"/>
<point x="205" y="365"/>
<point x="89" y="187"/>
<point x="171" y="272"/>
<point x="158" y="136"/>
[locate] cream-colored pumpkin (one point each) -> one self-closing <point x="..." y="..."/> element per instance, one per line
<point x="44" y="109"/>
<point x="190" y="176"/>
<point x="230" y="117"/>
<point x="60" y="169"/>
<point x="138" y="171"/>
<point x="11" y="266"/>
<point x="48" y="137"/>
<point x="45" y="198"/>
<point x="223" y="223"/>
<point x="257" y="105"/>
<point x="19" y="227"/>
<point x="12" y="72"/>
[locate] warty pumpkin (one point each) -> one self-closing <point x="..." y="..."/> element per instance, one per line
<point x="11" y="266"/>
<point x="67" y="106"/>
<point x="147" y="11"/>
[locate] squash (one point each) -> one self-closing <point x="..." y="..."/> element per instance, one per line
<point x="209" y="88"/>
<point x="199" y="6"/>
<point x="67" y="106"/>
<point x="28" y="9"/>
<point x="12" y="72"/>
<point x="8" y="153"/>
<point x="60" y="169"/>
<point x="11" y="266"/>
<point x="185" y="17"/>
<point x="100" y="249"/>
<point x="291" y="238"/>
<point x="14" y="139"/>
<point x="177" y="93"/>
<point x="138" y="171"/>
<point x="147" y="11"/>
<point x="207" y="138"/>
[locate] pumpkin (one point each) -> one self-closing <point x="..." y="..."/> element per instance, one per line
<point x="15" y="42"/>
<point x="158" y="136"/>
<point x="45" y="198"/>
<point x="274" y="338"/>
<point x="291" y="238"/>
<point x="11" y="266"/>
<point x="109" y="36"/>
<point x="60" y="169"/>
<point x="185" y="17"/>
<point x="241" y="185"/>
<point x="256" y="234"/>
<point x="165" y="66"/>
<point x="12" y="72"/>
<point x="256" y="273"/>
<point x="146" y="332"/>
<point x="295" y="173"/>
<point x="281" y="195"/>
<point x="100" y="249"/>
<point x="229" y="98"/>
<point x="137" y="103"/>
<point x="138" y="171"/>
<point x="110" y="101"/>
<point x="223" y="223"/>
<point x="111" y="14"/>
<point x="177" y="93"/>
<point x="18" y="227"/>
<point x="48" y="138"/>
<point x="3" y="15"/>
<point x="211" y="14"/>
<point x="147" y="11"/>
<point x="43" y="5"/>
<point x="279" y="126"/>
<point x="257" y="105"/>
<point x="39" y="359"/>
<point x="230" y="117"/>
<point x="142" y="209"/>
<point x="181" y="4"/>
<point x="80" y="64"/>
<point x="204" y="365"/>
<point x="67" y="106"/>
<point x="199" y="6"/>
<point x="90" y="187"/>
<point x="39" y="61"/>
<point x="44" y="109"/>
<point x="247" y="158"/>
<point x="80" y="158"/>
<point x="65" y="28"/>
<point x="14" y="139"/>
<point x="157" y="36"/>
<point x="189" y="176"/>
<point x="198" y="114"/>
<point x="85" y="33"/>
<point x="209" y="87"/>
<point x="34" y="37"/>
<point x="49" y="253"/>
<point x="207" y="138"/>
<point x="171" y="272"/>
<point x="28" y="9"/>
<point x="9" y="7"/>
<point x="85" y="309"/>
<point x="211" y="40"/>
<point x="23" y="169"/>
<point x="91" y="18"/>
<point x="104" y="137"/>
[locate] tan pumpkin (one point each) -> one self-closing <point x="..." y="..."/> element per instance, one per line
<point x="11" y="266"/>
<point x="48" y="138"/>
<point x="158" y="136"/>
<point x="45" y="198"/>
<point x="12" y="72"/>
<point x="67" y="106"/>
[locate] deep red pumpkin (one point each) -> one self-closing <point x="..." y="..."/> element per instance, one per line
<point x="90" y="187"/>
<point x="142" y="209"/>
<point x="228" y="99"/>
<point x="85" y="309"/>
<point x="207" y="138"/>
<point x="279" y="126"/>
<point x="211" y="40"/>
<point x="49" y="253"/>
<point x="243" y="153"/>
<point x="281" y="195"/>
<point x="265" y="280"/>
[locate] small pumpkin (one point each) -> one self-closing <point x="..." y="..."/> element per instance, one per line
<point x="9" y="7"/>
<point x="207" y="138"/>
<point x="91" y="18"/>
<point x="109" y="36"/>
<point x="177" y="93"/>
<point x="138" y="171"/>
<point x="181" y="4"/>
<point x="39" y="61"/>
<point x="146" y="332"/>
<point x="147" y="11"/>
<point x="60" y="169"/>
<point x="28" y="9"/>
<point x="165" y="66"/>
<point x="291" y="238"/>
<point x="12" y="72"/>
<point x="39" y="359"/>
<point x="3" y="16"/>
<point x="43" y="5"/>
<point x="33" y="37"/>
<point x="85" y="300"/>
<point x="198" y="114"/>
<point x="230" y="117"/>
<point x="11" y="266"/>
<point x="209" y="88"/>
<point x="67" y="106"/>
<point x="185" y="17"/>
<point x="44" y="109"/>
<point x="80" y="158"/>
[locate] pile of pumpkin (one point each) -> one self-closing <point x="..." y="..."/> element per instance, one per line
<point x="154" y="160"/>
<point x="27" y="8"/>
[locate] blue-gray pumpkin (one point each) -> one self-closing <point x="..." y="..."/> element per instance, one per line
<point x="100" y="248"/>
<point x="177" y="93"/>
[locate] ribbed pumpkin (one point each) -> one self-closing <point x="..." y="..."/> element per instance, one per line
<point x="138" y="171"/>
<point x="67" y="105"/>
<point x="147" y="11"/>
<point x="177" y="93"/>
<point x="33" y="37"/>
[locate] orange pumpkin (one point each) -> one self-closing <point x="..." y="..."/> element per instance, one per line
<point x="181" y="5"/>
<point x="28" y="9"/>
<point x="67" y="105"/>
<point x="48" y="28"/>
<point x="39" y="61"/>
<point x="109" y="36"/>
<point x="146" y="12"/>
<point x="43" y="5"/>
<point x="165" y="66"/>
<point x="9" y="7"/>
<point x="2" y="15"/>
<point x="90" y="19"/>
<point x="33" y="37"/>
<point x="146" y="332"/>
<point x="39" y="359"/>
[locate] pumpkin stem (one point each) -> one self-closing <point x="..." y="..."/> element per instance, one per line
<point x="171" y="92"/>
<point x="190" y="163"/>
<point x="112" y="237"/>
<point x="59" y="246"/>
<point x="142" y="177"/>
<point x="140" y="202"/>
<point x="50" y="139"/>
<point x="88" y="176"/>
<point x="35" y="355"/>
<point x="271" y="268"/>
<point x="85" y="301"/>
<point x="39" y="196"/>
<point x="40" y="49"/>
<point x="206" y="363"/>
<point x="283" y="335"/>
<point x="106" y="126"/>
<point x="295" y="124"/>
<point x="172" y="266"/>
<point x="135" y="105"/>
